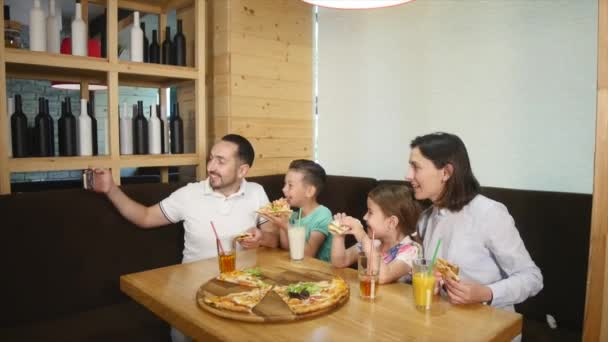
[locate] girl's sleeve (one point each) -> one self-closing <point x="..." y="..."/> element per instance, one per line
<point x="408" y="253"/>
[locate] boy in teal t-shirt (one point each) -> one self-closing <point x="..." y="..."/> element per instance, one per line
<point x="303" y="182"/>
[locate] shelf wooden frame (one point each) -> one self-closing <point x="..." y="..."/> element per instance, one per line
<point x="25" y="64"/>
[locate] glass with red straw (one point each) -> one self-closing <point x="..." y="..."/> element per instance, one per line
<point x="226" y="254"/>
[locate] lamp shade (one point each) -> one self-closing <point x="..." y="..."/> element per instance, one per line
<point x="356" y="4"/>
<point x="94" y="46"/>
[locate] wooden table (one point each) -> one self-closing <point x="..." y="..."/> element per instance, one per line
<point x="170" y="293"/>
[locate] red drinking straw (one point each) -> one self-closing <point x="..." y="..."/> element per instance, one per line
<point x="219" y="243"/>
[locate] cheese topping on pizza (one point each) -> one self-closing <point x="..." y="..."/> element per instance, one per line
<point x="276" y="208"/>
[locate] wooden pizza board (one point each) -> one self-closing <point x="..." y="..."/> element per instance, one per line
<point x="271" y="308"/>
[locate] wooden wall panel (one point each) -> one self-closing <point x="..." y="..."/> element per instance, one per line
<point x="278" y="128"/>
<point x="596" y="306"/>
<point x="262" y="78"/>
<point x="249" y="44"/>
<point x="295" y="148"/>
<point x="271" y="108"/>
<point x="267" y="68"/>
<point x="241" y="85"/>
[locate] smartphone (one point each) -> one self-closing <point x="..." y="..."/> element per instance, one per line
<point x="88" y="179"/>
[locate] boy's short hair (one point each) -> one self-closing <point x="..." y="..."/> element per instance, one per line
<point x="313" y="173"/>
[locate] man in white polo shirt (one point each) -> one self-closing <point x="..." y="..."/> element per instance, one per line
<point x="225" y="198"/>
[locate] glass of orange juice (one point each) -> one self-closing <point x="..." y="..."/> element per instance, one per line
<point x="424" y="284"/>
<point x="226" y="254"/>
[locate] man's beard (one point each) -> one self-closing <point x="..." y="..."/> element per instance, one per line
<point x="220" y="184"/>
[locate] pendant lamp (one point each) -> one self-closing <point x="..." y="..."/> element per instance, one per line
<point x="356" y="4"/>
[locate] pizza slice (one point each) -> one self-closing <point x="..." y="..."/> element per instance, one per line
<point x="250" y="277"/>
<point x="447" y="269"/>
<point x="278" y="207"/>
<point x="306" y="297"/>
<point x="336" y="228"/>
<point x="238" y="301"/>
<point x="243" y="236"/>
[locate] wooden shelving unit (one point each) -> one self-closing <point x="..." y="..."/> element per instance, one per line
<point x="25" y="64"/>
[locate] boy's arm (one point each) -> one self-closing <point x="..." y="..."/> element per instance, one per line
<point x="313" y="244"/>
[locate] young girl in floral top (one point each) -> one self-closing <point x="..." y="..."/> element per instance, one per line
<point x="391" y="215"/>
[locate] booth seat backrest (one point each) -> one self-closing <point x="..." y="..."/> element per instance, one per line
<point x="64" y="251"/>
<point x="555" y="228"/>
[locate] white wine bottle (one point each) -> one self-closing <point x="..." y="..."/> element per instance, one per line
<point x="37" y="28"/>
<point x="53" y="30"/>
<point x="79" y="34"/>
<point x="154" y="133"/>
<point x="85" y="139"/>
<point x="126" y="131"/>
<point x="137" y="40"/>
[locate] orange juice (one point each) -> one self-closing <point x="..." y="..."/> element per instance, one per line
<point x="227" y="261"/>
<point x="368" y="285"/>
<point x="424" y="285"/>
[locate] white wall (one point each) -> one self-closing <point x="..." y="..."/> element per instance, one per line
<point x="514" y="79"/>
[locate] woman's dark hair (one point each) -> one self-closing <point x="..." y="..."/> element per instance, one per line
<point x="397" y="200"/>
<point x="443" y="149"/>
<point x="244" y="149"/>
<point x="313" y="173"/>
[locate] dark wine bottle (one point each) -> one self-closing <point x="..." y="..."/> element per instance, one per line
<point x="146" y="43"/>
<point x="179" y="45"/>
<point x="167" y="47"/>
<point x="67" y="130"/>
<point x="176" y="126"/>
<point x="51" y="129"/>
<point x="140" y="131"/>
<point x="19" y="131"/>
<point x="42" y="130"/>
<point x="162" y="130"/>
<point x="154" y="51"/>
<point x="91" y="112"/>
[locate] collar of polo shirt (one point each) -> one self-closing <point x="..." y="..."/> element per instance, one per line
<point x="208" y="190"/>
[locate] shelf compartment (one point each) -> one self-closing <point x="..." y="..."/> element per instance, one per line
<point x="155" y="160"/>
<point x="147" y="74"/>
<point x="36" y="164"/>
<point x="52" y="66"/>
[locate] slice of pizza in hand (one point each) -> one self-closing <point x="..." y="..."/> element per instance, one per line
<point x="447" y="269"/>
<point x="250" y="277"/>
<point x="243" y="236"/>
<point x="306" y="297"/>
<point x="278" y="207"/>
<point x="239" y="301"/>
<point x="336" y="228"/>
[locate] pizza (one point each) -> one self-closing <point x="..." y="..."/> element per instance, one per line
<point x="336" y="228"/>
<point x="305" y="297"/>
<point x="238" y="301"/>
<point x="278" y="207"/>
<point x="299" y="298"/>
<point x="447" y="269"/>
<point x="243" y="236"/>
<point x="250" y="277"/>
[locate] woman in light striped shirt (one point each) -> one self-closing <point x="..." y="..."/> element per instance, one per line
<point x="477" y="234"/>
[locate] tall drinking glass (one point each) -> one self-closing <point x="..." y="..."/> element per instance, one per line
<point x="424" y="284"/>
